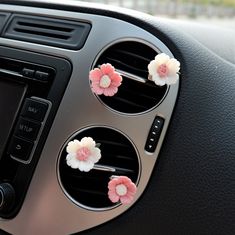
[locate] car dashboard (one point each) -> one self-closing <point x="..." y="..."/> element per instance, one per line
<point x="175" y="142"/>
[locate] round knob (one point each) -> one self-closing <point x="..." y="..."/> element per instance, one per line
<point x="7" y="196"/>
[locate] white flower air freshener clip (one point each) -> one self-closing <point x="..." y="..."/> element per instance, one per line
<point x="164" y="70"/>
<point x="83" y="154"/>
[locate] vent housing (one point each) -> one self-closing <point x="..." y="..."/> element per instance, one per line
<point x="136" y="94"/>
<point x="47" y="31"/>
<point x="90" y="189"/>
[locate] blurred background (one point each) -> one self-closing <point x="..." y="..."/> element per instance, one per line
<point x="216" y="12"/>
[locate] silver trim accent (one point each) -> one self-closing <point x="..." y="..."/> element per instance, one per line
<point x="3" y="197"/>
<point x="157" y="49"/>
<point x="131" y="76"/>
<point x="45" y="200"/>
<point x="8" y="72"/>
<point x="39" y="133"/>
<point x="99" y="167"/>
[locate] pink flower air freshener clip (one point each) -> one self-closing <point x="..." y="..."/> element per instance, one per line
<point x="105" y="80"/>
<point x="82" y="154"/>
<point x="164" y="70"/>
<point x="122" y="189"/>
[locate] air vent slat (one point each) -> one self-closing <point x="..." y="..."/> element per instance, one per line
<point x="136" y="94"/>
<point x="42" y="33"/>
<point x="89" y="192"/>
<point x="133" y="55"/>
<point x="125" y="66"/>
<point x="45" y="26"/>
<point x="90" y="188"/>
<point x="47" y="31"/>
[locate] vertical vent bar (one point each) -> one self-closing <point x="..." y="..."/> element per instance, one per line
<point x="47" y="31"/>
<point x="136" y="94"/>
<point x="3" y="19"/>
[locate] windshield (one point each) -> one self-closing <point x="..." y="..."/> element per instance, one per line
<point x="216" y="12"/>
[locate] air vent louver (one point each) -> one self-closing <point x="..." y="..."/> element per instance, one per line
<point x="137" y="94"/>
<point x="53" y="32"/>
<point x="90" y="189"/>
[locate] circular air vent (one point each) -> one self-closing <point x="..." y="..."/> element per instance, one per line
<point x="136" y="94"/>
<point x="119" y="157"/>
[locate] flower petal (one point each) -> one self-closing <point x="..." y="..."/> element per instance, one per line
<point x="97" y="89"/>
<point x="95" y="155"/>
<point x="85" y="165"/>
<point x="158" y="80"/>
<point x="116" y="79"/>
<point x="113" y="196"/>
<point x="173" y="66"/>
<point x="110" y="91"/>
<point x="107" y="69"/>
<point x="126" y="199"/>
<point x="161" y="58"/>
<point x="73" y="146"/>
<point x="95" y="75"/>
<point x="172" y="79"/>
<point x="88" y="142"/>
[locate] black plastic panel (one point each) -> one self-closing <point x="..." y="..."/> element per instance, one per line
<point x="47" y="31"/>
<point x="3" y="19"/>
<point x="14" y="172"/>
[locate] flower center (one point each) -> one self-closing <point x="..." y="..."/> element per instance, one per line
<point x="162" y="70"/>
<point x="121" y="189"/>
<point x="82" y="154"/>
<point x="105" y="81"/>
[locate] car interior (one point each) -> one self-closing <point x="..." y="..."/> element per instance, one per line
<point x="96" y="140"/>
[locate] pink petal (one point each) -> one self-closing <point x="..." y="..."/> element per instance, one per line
<point x="127" y="199"/>
<point x="131" y="188"/>
<point x="113" y="197"/>
<point x="110" y="91"/>
<point x="97" y="90"/>
<point x="107" y="69"/>
<point x="116" y="80"/>
<point x="112" y="183"/>
<point x="95" y="75"/>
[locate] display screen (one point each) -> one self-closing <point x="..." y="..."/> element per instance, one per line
<point x="11" y="95"/>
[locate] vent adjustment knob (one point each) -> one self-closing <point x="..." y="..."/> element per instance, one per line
<point x="7" y="196"/>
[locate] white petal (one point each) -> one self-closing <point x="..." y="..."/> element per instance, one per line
<point x="88" y="142"/>
<point x="162" y="59"/>
<point x="73" y="146"/>
<point x="86" y="166"/>
<point x="173" y="66"/>
<point x="152" y="67"/>
<point x="72" y="162"/>
<point x="95" y="155"/>
<point x="172" y="79"/>
<point x="158" y="80"/>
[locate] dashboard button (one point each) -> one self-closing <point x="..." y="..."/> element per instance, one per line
<point x="27" y="129"/>
<point x="28" y="72"/>
<point x="20" y="148"/>
<point x="34" y="109"/>
<point x="41" y="76"/>
<point x="154" y="134"/>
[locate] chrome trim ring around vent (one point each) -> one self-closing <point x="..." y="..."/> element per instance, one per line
<point x="89" y="190"/>
<point x="136" y="95"/>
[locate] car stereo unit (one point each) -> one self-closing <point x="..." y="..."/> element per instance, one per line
<point x="31" y="88"/>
